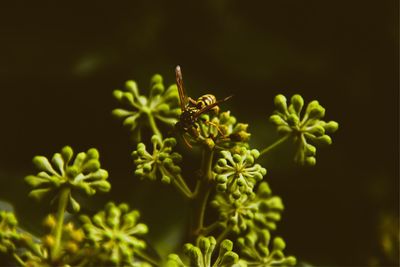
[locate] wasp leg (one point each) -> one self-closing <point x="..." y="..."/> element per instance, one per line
<point x="215" y="110"/>
<point x="216" y="126"/>
<point x="186" y="142"/>
<point x="192" y="101"/>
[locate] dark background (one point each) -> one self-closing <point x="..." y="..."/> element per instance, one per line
<point x="60" y="62"/>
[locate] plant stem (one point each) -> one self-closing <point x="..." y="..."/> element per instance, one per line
<point x="278" y="142"/>
<point x="181" y="189"/>
<point x="203" y="191"/>
<point x="62" y="205"/>
<point x="153" y="125"/>
<point x="146" y="257"/>
<point x="200" y="223"/>
<point x="180" y="179"/>
<point x="180" y="184"/>
<point x="18" y="259"/>
<point x="208" y="229"/>
<point x="223" y="234"/>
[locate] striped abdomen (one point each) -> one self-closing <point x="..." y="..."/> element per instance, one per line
<point x="206" y="100"/>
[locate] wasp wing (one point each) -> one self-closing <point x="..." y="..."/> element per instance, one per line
<point x="179" y="82"/>
<point x="208" y="107"/>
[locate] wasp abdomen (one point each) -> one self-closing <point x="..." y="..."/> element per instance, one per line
<point x="206" y="100"/>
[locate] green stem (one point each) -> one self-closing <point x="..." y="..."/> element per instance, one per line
<point x="18" y="259"/>
<point x="83" y="262"/>
<point x="223" y="234"/>
<point x="62" y="205"/>
<point x="180" y="179"/>
<point x="208" y="229"/>
<point x="179" y="183"/>
<point x="153" y="125"/>
<point x="202" y="212"/>
<point x="202" y="192"/>
<point x="146" y="257"/>
<point x="181" y="189"/>
<point x="278" y="142"/>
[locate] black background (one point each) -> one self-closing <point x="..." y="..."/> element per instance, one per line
<point x="59" y="63"/>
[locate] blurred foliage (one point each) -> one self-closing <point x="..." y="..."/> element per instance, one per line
<point x="343" y="54"/>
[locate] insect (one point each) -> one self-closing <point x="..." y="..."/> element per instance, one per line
<point x="192" y="109"/>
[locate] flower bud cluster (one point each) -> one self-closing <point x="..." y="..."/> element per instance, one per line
<point x="259" y="211"/>
<point x="202" y="254"/>
<point x="35" y="252"/>
<point x="8" y="232"/>
<point x="72" y="237"/>
<point x="161" y="161"/>
<point x="161" y="104"/>
<point x="116" y="234"/>
<point x="221" y="131"/>
<point x="82" y="173"/>
<point x="257" y="248"/>
<point x="307" y="130"/>
<point x="237" y="173"/>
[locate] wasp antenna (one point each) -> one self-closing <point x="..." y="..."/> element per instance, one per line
<point x="227" y="98"/>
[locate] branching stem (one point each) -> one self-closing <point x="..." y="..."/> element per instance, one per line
<point x="272" y="146"/>
<point x="208" y="229"/>
<point x="182" y="189"/>
<point x="182" y="182"/>
<point x="18" y="259"/>
<point x="62" y="205"/>
<point x="153" y="125"/>
<point x="203" y="190"/>
<point x="223" y="234"/>
<point x="146" y="257"/>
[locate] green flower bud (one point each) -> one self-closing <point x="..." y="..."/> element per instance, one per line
<point x="209" y="143"/>
<point x="331" y="126"/>
<point x="311" y="161"/>
<point x="39" y="194"/>
<point x="309" y="128"/>
<point x="139" y="111"/>
<point x="323" y="140"/>
<point x="279" y="244"/>
<point x="255" y="248"/>
<point x="280" y="103"/>
<point x="43" y="164"/>
<point x="8" y="232"/>
<point x="315" y="111"/>
<point x="74" y="204"/>
<point x="156" y="79"/>
<point x="297" y="102"/>
<point x="284" y="130"/>
<point x="50" y="222"/>
<point x="249" y="211"/>
<point x="161" y="162"/>
<point x="91" y="166"/>
<point x="277" y="120"/>
<point x="293" y="120"/>
<point x="114" y="230"/>
<point x="163" y="107"/>
<point x="166" y="179"/>
<point x="117" y="94"/>
<point x="121" y="113"/>
<point x="238" y="172"/>
<point x="127" y="98"/>
<point x="82" y="173"/>
<point x="202" y="254"/>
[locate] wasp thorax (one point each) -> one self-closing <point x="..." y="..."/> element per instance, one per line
<point x="187" y="118"/>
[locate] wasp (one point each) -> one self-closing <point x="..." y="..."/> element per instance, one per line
<point x="192" y="109"/>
